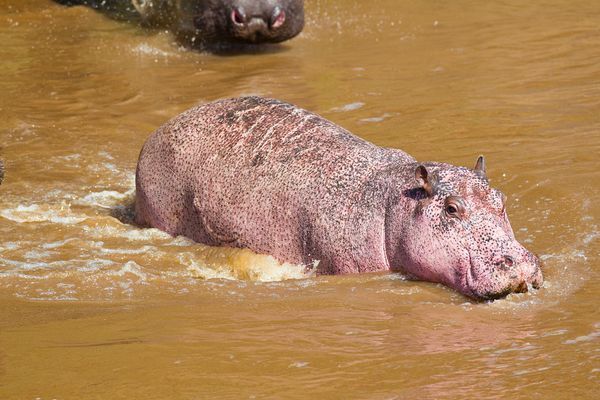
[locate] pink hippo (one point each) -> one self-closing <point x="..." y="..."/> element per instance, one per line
<point x="265" y="175"/>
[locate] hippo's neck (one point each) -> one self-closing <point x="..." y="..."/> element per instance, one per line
<point x="402" y="198"/>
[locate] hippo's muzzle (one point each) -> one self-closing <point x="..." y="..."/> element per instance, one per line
<point x="256" y="27"/>
<point x="522" y="277"/>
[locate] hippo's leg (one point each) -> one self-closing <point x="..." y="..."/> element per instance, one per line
<point x="209" y="232"/>
<point x="312" y="254"/>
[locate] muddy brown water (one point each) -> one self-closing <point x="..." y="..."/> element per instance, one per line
<point x="92" y="307"/>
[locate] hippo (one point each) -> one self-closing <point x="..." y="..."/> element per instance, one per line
<point x="265" y="175"/>
<point x="211" y="22"/>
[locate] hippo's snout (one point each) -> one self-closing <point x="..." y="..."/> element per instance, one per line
<point x="537" y="278"/>
<point x="252" y="27"/>
<point x="535" y="281"/>
<point x="530" y="273"/>
<point x="520" y="276"/>
<point x="273" y="19"/>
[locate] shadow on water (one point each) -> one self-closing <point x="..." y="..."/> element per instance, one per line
<point x="125" y="213"/>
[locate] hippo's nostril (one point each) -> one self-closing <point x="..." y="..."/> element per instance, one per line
<point x="238" y="16"/>
<point x="505" y="262"/>
<point x="277" y="18"/>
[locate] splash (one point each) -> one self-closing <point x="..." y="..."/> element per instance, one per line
<point x="58" y="214"/>
<point x="240" y="264"/>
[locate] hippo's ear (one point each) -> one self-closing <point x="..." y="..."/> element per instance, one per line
<point x="425" y="180"/>
<point x="480" y="167"/>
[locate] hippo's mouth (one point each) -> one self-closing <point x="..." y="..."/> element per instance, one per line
<point x="470" y="279"/>
<point x="473" y="284"/>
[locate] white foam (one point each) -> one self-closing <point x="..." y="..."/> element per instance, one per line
<point x="376" y="119"/>
<point x="70" y="157"/>
<point x="141" y="250"/>
<point x="28" y="265"/>
<point x="401" y="291"/>
<point x="53" y="267"/>
<point x="586" y="338"/>
<point x="131" y="267"/>
<point x="590" y="237"/>
<point x="95" y="265"/>
<point x="145" y="234"/>
<point x="253" y="267"/>
<point x="48" y="213"/>
<point x="106" y="155"/>
<point x="10" y="246"/>
<point x="106" y="198"/>
<point x="36" y="254"/>
<point x="299" y="364"/>
<point x="133" y="234"/>
<point x="349" y="107"/>
<point x="54" y="245"/>
<point x="272" y="270"/>
<point x="182" y="241"/>
<point x="197" y="270"/>
<point x="146" y="49"/>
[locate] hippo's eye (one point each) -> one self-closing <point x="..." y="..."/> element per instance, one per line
<point x="454" y="207"/>
<point x="451" y="209"/>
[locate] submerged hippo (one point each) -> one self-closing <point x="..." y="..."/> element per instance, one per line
<point x="265" y="175"/>
<point x="210" y="22"/>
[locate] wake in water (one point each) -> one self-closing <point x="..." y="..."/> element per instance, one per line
<point x="78" y="250"/>
<point x="87" y="249"/>
<point x="84" y="246"/>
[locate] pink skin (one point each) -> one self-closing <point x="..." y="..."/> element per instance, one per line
<point x="265" y="175"/>
<point x="459" y="235"/>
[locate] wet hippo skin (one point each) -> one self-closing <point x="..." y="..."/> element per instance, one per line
<point x="211" y="22"/>
<point x="268" y="176"/>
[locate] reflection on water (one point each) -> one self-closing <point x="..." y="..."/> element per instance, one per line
<point x="125" y="312"/>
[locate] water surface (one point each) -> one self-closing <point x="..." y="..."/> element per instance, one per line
<point x="93" y="307"/>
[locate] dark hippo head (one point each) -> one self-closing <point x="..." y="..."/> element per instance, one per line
<point x="227" y="21"/>
<point x="459" y="235"/>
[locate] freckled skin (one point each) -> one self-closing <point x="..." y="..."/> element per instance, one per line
<point x="265" y="175"/>
<point x="211" y="22"/>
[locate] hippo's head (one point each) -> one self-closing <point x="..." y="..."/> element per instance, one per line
<point x="458" y="234"/>
<point x="237" y="21"/>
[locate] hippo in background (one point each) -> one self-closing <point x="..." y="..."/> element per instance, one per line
<point x="265" y="175"/>
<point x="211" y="23"/>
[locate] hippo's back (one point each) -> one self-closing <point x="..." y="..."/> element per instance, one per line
<point x="257" y="136"/>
